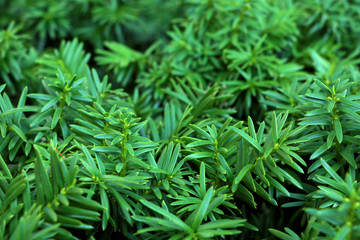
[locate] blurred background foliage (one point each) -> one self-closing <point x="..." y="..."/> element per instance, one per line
<point x="183" y="119"/>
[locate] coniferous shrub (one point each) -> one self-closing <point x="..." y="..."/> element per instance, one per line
<point x="184" y="119"/>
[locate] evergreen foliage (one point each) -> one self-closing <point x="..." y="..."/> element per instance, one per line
<point x="183" y="119"/>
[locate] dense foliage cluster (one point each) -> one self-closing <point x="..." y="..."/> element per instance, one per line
<point x="182" y="119"/>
